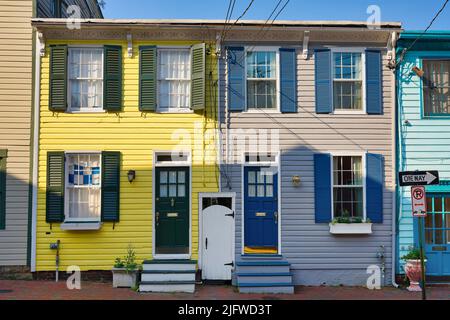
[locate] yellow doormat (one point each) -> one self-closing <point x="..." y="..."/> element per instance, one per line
<point x="255" y="250"/>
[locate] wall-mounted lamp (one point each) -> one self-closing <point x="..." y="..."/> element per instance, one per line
<point x="419" y="72"/>
<point x="296" y="180"/>
<point x="131" y="176"/>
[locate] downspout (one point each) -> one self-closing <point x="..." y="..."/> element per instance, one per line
<point x="219" y="116"/>
<point x="394" y="166"/>
<point x="37" y="91"/>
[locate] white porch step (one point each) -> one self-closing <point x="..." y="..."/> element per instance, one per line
<point x="167" y="275"/>
<point x="167" y="286"/>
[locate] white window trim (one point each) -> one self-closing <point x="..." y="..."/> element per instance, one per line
<point x="363" y="156"/>
<point x="172" y="110"/>
<point x="275" y="49"/>
<point x="363" y="75"/>
<point x="67" y="219"/>
<point x="69" y="93"/>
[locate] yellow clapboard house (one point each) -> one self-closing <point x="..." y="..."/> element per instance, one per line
<point x="127" y="142"/>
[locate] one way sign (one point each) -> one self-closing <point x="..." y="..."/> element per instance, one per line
<point x="418" y="178"/>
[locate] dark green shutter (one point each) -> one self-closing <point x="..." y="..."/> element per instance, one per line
<point x="112" y="88"/>
<point x="198" y="69"/>
<point x="3" y="155"/>
<point x="147" y="79"/>
<point x="55" y="187"/>
<point x="110" y="186"/>
<point x="58" y="78"/>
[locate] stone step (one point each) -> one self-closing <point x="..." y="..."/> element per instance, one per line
<point x="267" y="288"/>
<point x="168" y="275"/>
<point x="257" y="278"/>
<point x="167" y="286"/>
<point x="169" y="265"/>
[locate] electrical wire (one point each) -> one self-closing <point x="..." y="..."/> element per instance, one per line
<point x="237" y="20"/>
<point x="405" y="51"/>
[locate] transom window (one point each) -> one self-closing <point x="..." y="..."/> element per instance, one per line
<point x="436" y="87"/>
<point x="260" y="184"/>
<point x="172" y="184"/>
<point x="261" y="80"/>
<point x="437" y="222"/>
<point x="174" y="79"/>
<point x="85" y="79"/>
<point x="347" y="83"/>
<point x="83" y="201"/>
<point x="348" y="187"/>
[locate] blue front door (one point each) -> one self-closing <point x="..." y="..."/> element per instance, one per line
<point x="260" y="210"/>
<point x="437" y="235"/>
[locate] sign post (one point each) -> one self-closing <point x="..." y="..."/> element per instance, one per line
<point x="419" y="208"/>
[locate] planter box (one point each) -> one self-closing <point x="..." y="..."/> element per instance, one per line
<point x="124" y="279"/>
<point x="351" y="228"/>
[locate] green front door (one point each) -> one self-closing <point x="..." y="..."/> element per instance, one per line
<point x="172" y="210"/>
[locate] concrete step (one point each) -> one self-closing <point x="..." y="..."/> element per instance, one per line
<point x="262" y="268"/>
<point x="257" y="257"/>
<point x="257" y="278"/>
<point x="167" y="286"/>
<point x="168" y="275"/>
<point x="273" y="288"/>
<point x="169" y="265"/>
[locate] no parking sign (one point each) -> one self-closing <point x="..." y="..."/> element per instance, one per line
<point x="419" y="201"/>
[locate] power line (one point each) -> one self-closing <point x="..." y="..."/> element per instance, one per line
<point x="402" y="56"/>
<point x="237" y="20"/>
<point x="228" y="16"/>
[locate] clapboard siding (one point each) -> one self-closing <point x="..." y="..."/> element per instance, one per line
<point x="89" y="8"/>
<point x="136" y="135"/>
<point x="424" y="144"/>
<point x="317" y="256"/>
<point x="15" y="124"/>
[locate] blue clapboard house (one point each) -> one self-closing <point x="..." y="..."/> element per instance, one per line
<point x="423" y="83"/>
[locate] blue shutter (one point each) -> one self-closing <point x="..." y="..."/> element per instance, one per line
<point x="288" y="84"/>
<point x="373" y="82"/>
<point x="322" y="187"/>
<point x="374" y="187"/>
<point x="324" y="97"/>
<point x="236" y="78"/>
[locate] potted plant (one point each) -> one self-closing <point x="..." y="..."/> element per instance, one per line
<point x="125" y="270"/>
<point x="346" y="224"/>
<point x="413" y="269"/>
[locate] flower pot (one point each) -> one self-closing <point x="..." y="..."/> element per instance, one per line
<point x="413" y="269"/>
<point x="123" y="278"/>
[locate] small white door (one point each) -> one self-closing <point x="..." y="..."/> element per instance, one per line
<point x="217" y="248"/>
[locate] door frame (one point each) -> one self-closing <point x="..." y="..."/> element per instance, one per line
<point x="173" y="164"/>
<point x="245" y="164"/>
<point x="201" y="241"/>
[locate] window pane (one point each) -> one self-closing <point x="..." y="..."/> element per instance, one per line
<point x="269" y="178"/>
<point x="447" y="204"/>
<point x="172" y="177"/>
<point x="163" y="177"/>
<point x="172" y="190"/>
<point x="438" y="204"/>
<point x="436" y="87"/>
<point x="163" y="191"/>
<point x="260" y="190"/>
<point x="86" y="78"/>
<point x="261" y="94"/>
<point x="181" y="177"/>
<point x="347" y="95"/>
<point x="251" y="177"/>
<point x="174" y="83"/>
<point x="181" y="190"/>
<point x="261" y="65"/>
<point x="269" y="190"/>
<point x="252" y="191"/>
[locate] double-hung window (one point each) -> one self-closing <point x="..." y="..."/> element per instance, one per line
<point x="347" y="81"/>
<point x="436" y="87"/>
<point x="83" y="187"/>
<point x="348" y="187"/>
<point x="261" y="80"/>
<point x="85" y="79"/>
<point x="174" y="79"/>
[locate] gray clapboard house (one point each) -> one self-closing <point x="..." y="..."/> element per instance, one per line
<point x="322" y="95"/>
<point x="17" y="63"/>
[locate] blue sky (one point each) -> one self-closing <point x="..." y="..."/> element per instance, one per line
<point x="414" y="14"/>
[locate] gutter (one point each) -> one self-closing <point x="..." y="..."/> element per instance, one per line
<point x="34" y="186"/>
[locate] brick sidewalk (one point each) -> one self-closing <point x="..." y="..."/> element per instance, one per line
<point x="44" y="290"/>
